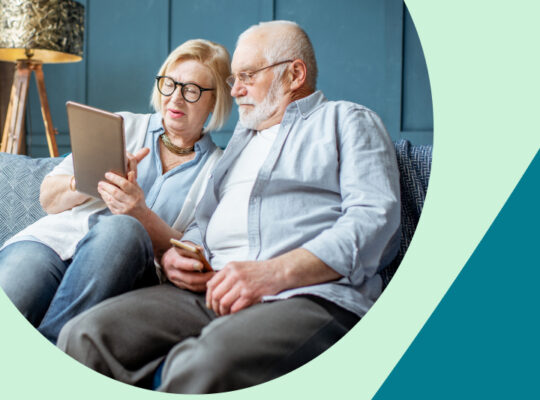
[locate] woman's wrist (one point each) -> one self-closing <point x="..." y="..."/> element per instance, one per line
<point x="72" y="183"/>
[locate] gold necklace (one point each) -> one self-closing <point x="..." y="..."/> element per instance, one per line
<point x="174" y="148"/>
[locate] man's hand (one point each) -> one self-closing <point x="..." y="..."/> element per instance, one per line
<point x="183" y="269"/>
<point x="241" y="284"/>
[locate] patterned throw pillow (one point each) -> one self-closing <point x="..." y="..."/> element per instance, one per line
<point x="20" y="179"/>
<point x="414" y="164"/>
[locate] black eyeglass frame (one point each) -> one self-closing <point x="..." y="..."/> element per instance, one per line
<point x="182" y="86"/>
<point x="248" y="75"/>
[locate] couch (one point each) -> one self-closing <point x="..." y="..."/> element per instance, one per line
<point x="20" y="178"/>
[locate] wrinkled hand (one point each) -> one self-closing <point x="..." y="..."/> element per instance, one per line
<point x="125" y="196"/>
<point x="241" y="284"/>
<point x="183" y="268"/>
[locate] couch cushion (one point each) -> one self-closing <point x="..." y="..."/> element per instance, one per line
<point x="20" y="178"/>
<point x="414" y="164"/>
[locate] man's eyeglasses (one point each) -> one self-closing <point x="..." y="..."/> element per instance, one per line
<point x="191" y="92"/>
<point x="246" y="77"/>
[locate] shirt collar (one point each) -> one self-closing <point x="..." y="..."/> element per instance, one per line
<point x="155" y="126"/>
<point x="308" y="104"/>
<point x="205" y="143"/>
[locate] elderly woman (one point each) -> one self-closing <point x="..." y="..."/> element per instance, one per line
<point x="87" y="249"/>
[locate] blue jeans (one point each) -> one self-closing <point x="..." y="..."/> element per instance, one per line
<point x="115" y="256"/>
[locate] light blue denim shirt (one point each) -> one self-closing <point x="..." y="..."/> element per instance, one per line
<point x="165" y="193"/>
<point x="330" y="185"/>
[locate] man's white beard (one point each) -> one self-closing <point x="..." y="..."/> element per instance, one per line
<point x="251" y="118"/>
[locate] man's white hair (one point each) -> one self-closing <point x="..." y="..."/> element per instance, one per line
<point x="287" y="44"/>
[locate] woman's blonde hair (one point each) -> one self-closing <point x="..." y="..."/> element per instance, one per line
<point x="217" y="59"/>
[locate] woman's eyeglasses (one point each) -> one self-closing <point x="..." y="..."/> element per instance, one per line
<point x="191" y="92"/>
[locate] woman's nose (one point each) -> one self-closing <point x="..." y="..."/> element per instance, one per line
<point x="177" y="95"/>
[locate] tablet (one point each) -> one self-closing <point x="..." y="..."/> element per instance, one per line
<point x="97" y="145"/>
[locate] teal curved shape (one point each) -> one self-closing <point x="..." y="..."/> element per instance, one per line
<point x="483" y="339"/>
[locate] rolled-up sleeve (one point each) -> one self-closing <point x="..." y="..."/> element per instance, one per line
<point x="64" y="168"/>
<point x="193" y="234"/>
<point x="366" y="235"/>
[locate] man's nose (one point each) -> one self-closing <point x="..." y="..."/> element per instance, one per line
<point x="238" y="89"/>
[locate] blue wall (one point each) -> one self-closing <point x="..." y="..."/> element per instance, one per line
<point x="368" y="52"/>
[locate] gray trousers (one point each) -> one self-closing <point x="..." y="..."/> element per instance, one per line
<point x="128" y="336"/>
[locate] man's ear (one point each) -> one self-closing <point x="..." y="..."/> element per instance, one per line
<point x="297" y="72"/>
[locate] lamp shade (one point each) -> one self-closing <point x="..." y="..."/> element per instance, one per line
<point x="50" y="31"/>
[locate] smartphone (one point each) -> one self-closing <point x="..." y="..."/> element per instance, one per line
<point x="206" y="265"/>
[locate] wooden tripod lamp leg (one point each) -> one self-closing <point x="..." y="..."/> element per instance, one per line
<point x="45" y="111"/>
<point x="13" y="135"/>
<point x="14" y="125"/>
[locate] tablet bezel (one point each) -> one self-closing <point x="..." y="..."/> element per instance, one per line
<point x="97" y="145"/>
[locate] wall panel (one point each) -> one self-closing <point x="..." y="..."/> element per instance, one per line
<point x="127" y="42"/>
<point x="219" y="21"/>
<point x="368" y="52"/>
<point x="417" y="117"/>
<point x="354" y="43"/>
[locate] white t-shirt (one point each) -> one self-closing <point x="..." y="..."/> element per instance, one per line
<point x="227" y="232"/>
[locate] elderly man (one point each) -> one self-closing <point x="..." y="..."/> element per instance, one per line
<point x="299" y="216"/>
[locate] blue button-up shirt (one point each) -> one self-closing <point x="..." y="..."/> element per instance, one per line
<point x="330" y="185"/>
<point x="165" y="193"/>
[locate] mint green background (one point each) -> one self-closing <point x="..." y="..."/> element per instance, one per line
<point x="483" y="67"/>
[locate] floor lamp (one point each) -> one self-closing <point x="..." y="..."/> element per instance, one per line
<point x="33" y="32"/>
